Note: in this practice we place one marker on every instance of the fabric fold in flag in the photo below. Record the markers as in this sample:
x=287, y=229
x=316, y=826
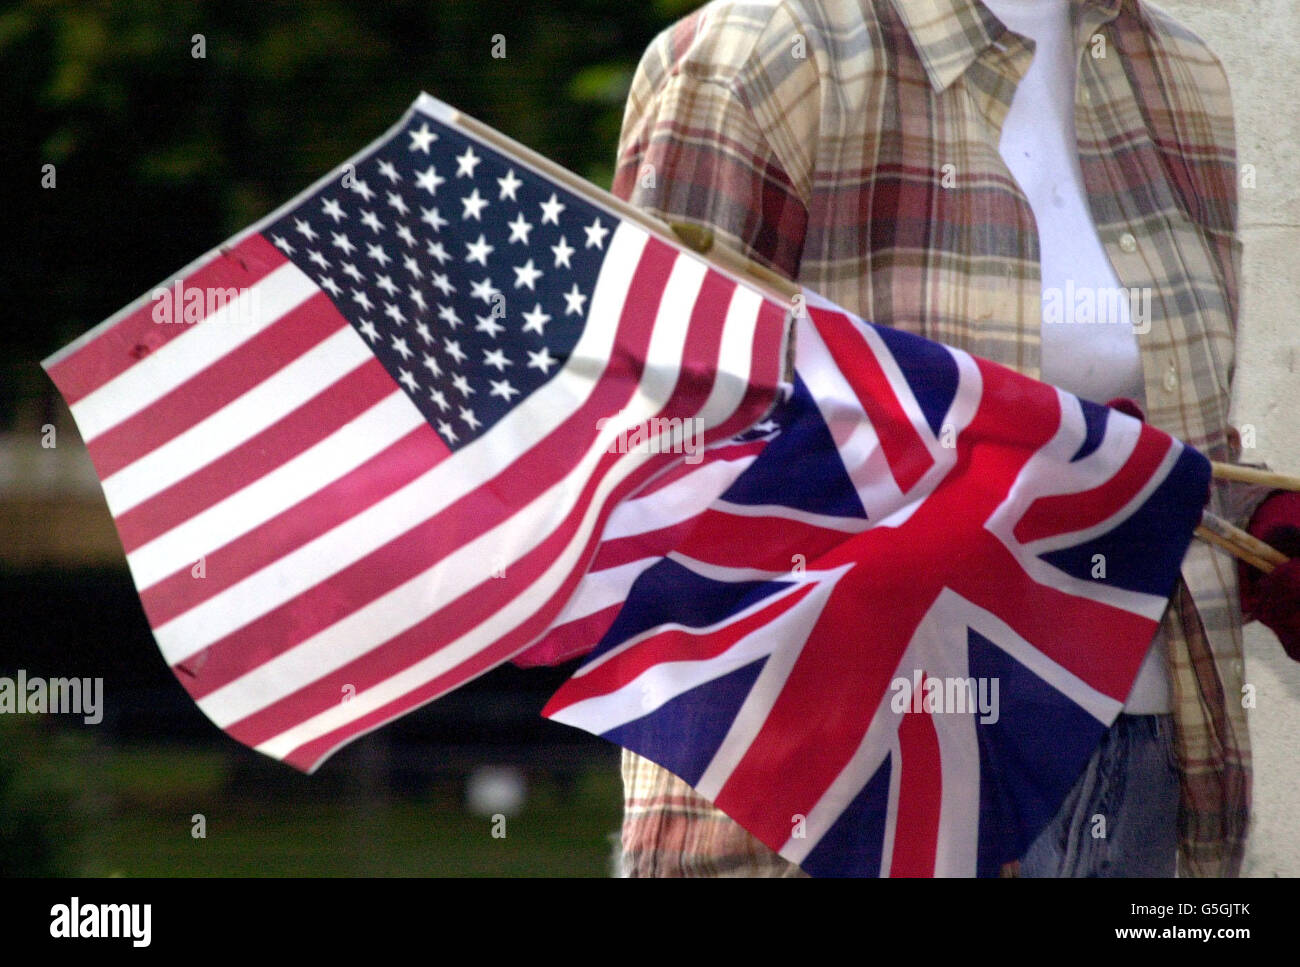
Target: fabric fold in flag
x=364, y=451
x=890, y=647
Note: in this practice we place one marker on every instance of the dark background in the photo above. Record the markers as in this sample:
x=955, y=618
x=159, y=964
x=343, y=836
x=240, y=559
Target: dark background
x=159, y=155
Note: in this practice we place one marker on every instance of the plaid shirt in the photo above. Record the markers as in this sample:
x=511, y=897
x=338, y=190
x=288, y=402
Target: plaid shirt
x=853, y=147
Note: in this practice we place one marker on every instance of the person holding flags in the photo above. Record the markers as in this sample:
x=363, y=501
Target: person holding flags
x=1047, y=184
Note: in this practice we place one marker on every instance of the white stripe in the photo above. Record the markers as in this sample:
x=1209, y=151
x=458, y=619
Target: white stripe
x=602, y=589
x=172, y=364
x=676, y=502
x=846, y=525
x=486, y=633
x=287, y=485
x=664, y=354
x=737, y=343
x=718, y=572
x=943, y=652
x=665, y=681
x=854, y=436
x=216, y=435
x=957, y=844
x=891, y=813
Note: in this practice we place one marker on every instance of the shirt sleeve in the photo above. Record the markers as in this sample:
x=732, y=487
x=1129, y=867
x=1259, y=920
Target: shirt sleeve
x=691, y=151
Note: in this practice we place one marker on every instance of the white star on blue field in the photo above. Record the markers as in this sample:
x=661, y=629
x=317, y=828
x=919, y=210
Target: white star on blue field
x=468, y=275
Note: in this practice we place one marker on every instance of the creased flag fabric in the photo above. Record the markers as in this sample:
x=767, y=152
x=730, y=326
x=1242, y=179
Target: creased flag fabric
x=957, y=575
x=640, y=532
x=364, y=452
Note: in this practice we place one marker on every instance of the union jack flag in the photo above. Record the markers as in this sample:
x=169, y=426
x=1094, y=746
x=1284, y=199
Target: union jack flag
x=364, y=452
x=892, y=644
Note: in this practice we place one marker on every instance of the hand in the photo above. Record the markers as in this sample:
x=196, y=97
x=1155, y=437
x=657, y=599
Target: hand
x=1126, y=405
x=1274, y=598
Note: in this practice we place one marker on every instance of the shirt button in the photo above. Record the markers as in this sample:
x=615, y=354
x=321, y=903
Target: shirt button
x=1128, y=243
x=1171, y=379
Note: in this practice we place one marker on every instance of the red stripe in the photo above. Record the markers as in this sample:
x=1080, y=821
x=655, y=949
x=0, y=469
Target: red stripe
x=260, y=454
x=570, y=640
x=216, y=386
x=1105, y=646
x=717, y=539
x=1061, y=513
x=668, y=646
x=379, y=477
x=135, y=336
x=768, y=361
x=639, y=547
x=920, y=796
x=905, y=449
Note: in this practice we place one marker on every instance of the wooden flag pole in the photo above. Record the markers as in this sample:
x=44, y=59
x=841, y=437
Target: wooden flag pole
x=1236, y=541
x=1267, y=478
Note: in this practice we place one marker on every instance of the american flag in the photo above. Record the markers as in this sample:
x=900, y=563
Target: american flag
x=958, y=573
x=365, y=451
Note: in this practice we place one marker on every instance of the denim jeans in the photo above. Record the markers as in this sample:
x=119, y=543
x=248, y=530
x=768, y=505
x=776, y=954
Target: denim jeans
x=1121, y=817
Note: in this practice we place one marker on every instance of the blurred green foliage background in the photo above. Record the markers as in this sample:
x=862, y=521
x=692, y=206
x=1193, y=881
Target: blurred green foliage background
x=159, y=155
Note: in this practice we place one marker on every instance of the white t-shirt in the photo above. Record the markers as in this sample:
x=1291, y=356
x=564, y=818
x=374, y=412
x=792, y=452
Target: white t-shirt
x=1094, y=354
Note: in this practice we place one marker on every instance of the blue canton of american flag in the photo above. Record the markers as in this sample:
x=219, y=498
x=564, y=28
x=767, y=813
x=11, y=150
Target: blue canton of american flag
x=891, y=645
x=469, y=275
x=383, y=426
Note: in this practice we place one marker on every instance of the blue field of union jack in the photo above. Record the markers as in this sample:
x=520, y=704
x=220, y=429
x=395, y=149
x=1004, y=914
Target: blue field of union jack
x=892, y=645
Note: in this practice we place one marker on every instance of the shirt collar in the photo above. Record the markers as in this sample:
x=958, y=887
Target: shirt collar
x=950, y=34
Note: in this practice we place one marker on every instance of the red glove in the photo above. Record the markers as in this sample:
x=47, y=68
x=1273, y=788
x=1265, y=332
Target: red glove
x=1126, y=405
x=1275, y=598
